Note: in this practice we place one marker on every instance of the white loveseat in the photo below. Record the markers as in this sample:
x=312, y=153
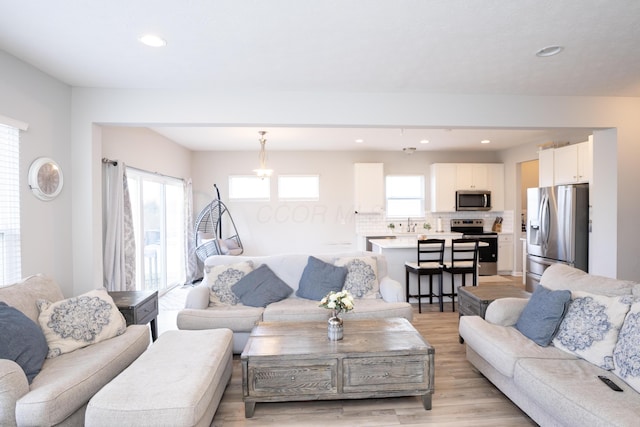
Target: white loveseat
x=199, y=313
x=61, y=390
x=554, y=387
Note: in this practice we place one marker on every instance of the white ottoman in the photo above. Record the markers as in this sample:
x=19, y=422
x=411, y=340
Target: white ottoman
x=178, y=381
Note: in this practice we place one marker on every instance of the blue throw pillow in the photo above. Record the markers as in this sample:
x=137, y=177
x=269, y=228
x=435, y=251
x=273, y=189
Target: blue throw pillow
x=22, y=341
x=261, y=287
x=319, y=278
x=541, y=317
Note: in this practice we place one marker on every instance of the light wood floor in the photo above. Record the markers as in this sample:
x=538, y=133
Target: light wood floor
x=463, y=397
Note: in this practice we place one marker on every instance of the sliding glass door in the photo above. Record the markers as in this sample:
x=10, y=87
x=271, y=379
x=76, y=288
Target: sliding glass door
x=157, y=204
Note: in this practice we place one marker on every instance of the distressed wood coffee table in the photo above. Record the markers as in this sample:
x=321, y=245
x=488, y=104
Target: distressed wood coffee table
x=285, y=361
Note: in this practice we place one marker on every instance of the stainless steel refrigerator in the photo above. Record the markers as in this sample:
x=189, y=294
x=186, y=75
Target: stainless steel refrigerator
x=557, y=229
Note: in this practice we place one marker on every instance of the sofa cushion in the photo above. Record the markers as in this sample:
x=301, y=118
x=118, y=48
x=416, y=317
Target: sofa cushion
x=319, y=278
x=239, y=318
x=66, y=383
x=572, y=395
x=503, y=346
x=22, y=341
x=220, y=278
x=626, y=356
x=77, y=322
x=362, y=276
x=560, y=276
x=304, y=310
x=591, y=326
x=261, y=287
x=542, y=315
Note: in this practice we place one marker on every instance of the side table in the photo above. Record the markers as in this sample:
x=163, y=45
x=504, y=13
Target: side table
x=138, y=308
x=474, y=300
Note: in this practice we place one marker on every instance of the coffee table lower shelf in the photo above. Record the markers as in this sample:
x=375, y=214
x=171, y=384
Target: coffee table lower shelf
x=296, y=362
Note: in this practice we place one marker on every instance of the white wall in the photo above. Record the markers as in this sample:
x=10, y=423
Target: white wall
x=31, y=96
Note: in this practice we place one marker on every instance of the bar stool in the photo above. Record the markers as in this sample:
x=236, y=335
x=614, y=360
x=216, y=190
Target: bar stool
x=429, y=263
x=464, y=260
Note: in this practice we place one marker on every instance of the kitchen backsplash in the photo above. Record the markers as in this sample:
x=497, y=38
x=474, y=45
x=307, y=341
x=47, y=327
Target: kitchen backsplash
x=376, y=224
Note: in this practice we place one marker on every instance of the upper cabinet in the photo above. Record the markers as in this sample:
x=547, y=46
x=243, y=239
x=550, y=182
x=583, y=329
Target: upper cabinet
x=447, y=178
x=368, y=187
x=472, y=176
x=570, y=164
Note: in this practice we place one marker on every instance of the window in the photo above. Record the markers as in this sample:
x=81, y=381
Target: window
x=10, y=262
x=157, y=204
x=299, y=187
x=405, y=195
x=249, y=187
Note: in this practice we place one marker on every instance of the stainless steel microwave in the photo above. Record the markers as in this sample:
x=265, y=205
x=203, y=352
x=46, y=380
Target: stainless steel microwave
x=473, y=200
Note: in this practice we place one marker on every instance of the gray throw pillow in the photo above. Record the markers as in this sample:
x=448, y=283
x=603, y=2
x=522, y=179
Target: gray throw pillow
x=22, y=341
x=261, y=287
x=319, y=278
x=541, y=317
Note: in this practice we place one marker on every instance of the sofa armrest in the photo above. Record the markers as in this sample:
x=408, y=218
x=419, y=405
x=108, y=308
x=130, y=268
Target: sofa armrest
x=198, y=298
x=505, y=311
x=391, y=290
x=13, y=385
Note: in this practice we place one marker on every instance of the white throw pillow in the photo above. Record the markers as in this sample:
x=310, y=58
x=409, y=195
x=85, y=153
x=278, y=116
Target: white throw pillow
x=220, y=279
x=626, y=356
x=590, y=328
x=362, y=276
x=77, y=322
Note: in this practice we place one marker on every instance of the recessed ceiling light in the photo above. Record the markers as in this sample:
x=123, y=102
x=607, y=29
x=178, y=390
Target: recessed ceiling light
x=152, y=40
x=424, y=141
x=485, y=141
x=359, y=141
x=549, y=51
x=409, y=150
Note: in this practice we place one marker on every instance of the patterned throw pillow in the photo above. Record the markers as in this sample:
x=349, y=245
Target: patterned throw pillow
x=362, y=276
x=590, y=328
x=626, y=356
x=220, y=279
x=77, y=322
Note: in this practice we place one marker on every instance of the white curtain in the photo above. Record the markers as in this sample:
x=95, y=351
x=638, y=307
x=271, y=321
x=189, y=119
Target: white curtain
x=193, y=269
x=119, y=250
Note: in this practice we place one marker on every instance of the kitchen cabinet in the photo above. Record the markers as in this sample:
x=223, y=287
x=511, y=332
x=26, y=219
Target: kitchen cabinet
x=446, y=178
x=545, y=168
x=572, y=163
x=472, y=176
x=368, y=187
x=443, y=187
x=505, y=253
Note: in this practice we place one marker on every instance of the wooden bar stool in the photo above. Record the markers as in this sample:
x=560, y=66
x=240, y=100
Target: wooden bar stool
x=429, y=263
x=464, y=260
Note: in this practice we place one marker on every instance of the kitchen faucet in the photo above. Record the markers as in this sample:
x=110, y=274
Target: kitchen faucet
x=408, y=225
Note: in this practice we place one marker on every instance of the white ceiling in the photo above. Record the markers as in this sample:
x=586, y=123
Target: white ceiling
x=410, y=46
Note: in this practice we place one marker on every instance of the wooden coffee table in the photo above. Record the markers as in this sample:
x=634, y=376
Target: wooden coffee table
x=285, y=361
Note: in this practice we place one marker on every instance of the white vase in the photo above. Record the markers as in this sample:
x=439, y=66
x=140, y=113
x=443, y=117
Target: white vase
x=335, y=328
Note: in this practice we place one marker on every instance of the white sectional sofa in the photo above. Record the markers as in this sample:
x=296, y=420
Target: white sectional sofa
x=555, y=386
x=201, y=313
x=61, y=390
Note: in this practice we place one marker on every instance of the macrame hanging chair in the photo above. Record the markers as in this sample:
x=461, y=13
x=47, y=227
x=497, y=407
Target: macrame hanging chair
x=211, y=237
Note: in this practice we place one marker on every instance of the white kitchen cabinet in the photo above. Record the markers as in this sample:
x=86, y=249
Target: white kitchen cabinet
x=505, y=253
x=368, y=187
x=472, y=176
x=443, y=187
x=573, y=163
x=545, y=168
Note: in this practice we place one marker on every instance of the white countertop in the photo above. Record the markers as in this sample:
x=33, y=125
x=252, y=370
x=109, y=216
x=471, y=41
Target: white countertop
x=406, y=242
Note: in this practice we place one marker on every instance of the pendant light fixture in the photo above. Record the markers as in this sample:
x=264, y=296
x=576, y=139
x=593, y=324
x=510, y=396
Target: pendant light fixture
x=262, y=171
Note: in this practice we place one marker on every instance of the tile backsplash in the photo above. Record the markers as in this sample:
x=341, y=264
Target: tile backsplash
x=376, y=224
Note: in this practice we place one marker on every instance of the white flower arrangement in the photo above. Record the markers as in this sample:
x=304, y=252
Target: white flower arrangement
x=338, y=302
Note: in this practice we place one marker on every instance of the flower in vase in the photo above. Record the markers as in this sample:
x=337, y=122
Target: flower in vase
x=338, y=302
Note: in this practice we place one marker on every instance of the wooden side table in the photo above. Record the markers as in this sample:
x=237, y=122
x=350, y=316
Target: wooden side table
x=474, y=300
x=138, y=308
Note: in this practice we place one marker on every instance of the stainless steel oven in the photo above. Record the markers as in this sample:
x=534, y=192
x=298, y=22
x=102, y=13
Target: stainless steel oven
x=487, y=255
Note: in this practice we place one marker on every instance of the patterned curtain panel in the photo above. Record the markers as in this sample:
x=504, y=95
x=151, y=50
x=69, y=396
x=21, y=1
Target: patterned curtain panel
x=119, y=251
x=193, y=268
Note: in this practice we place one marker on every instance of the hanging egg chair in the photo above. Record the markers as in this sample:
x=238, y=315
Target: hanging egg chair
x=211, y=237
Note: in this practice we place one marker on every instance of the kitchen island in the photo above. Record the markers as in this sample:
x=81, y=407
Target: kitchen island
x=402, y=249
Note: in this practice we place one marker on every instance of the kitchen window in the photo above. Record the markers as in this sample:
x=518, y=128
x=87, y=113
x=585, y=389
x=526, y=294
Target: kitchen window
x=299, y=187
x=249, y=187
x=405, y=196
